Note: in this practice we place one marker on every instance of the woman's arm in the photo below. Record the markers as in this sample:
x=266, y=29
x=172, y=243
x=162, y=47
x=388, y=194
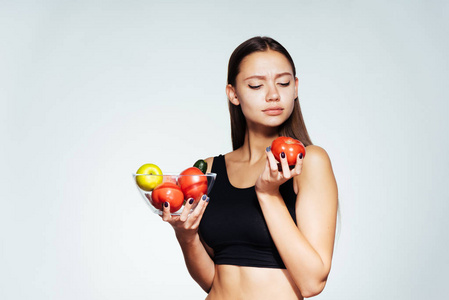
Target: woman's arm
x=199, y=263
x=306, y=248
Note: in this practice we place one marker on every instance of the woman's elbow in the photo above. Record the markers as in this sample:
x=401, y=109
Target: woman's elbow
x=312, y=290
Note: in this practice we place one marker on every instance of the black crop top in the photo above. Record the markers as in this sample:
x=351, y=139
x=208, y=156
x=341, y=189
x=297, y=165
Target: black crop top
x=233, y=224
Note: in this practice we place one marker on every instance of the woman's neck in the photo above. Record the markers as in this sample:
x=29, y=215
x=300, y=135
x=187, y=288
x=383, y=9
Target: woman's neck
x=253, y=149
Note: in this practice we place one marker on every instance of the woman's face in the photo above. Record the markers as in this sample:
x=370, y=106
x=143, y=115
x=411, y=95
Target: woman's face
x=265, y=89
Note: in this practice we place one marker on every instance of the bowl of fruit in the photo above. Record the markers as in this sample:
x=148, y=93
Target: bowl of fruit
x=157, y=187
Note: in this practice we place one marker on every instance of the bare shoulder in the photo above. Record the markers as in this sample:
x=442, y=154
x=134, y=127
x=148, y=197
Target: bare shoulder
x=232, y=156
x=317, y=168
x=315, y=155
x=209, y=161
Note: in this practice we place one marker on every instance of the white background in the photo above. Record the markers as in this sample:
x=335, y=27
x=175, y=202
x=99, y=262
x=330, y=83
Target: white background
x=90, y=90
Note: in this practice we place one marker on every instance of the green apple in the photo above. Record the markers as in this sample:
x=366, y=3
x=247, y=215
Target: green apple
x=148, y=183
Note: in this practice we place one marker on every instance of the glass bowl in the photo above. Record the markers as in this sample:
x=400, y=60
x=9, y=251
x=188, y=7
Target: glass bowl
x=172, y=187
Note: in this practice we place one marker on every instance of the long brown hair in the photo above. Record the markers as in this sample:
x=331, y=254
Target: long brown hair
x=294, y=126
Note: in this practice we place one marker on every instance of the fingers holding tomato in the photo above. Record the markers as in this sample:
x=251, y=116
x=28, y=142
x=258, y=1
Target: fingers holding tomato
x=166, y=215
x=291, y=171
x=198, y=212
x=291, y=148
x=298, y=167
x=272, y=164
x=279, y=167
x=187, y=223
x=285, y=168
x=278, y=171
x=289, y=152
x=189, y=206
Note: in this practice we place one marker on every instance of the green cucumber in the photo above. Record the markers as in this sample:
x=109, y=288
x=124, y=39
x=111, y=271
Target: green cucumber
x=202, y=165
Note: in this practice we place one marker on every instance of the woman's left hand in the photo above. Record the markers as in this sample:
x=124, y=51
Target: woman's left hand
x=273, y=175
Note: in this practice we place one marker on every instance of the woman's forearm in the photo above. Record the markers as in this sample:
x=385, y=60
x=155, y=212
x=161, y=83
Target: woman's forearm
x=199, y=264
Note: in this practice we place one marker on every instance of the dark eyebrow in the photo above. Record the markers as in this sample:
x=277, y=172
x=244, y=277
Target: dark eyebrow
x=263, y=77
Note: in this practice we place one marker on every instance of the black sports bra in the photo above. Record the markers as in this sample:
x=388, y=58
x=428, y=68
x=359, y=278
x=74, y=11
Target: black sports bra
x=233, y=224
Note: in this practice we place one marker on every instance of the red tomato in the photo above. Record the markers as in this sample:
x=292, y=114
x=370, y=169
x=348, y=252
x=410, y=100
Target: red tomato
x=290, y=147
x=167, y=192
x=194, y=184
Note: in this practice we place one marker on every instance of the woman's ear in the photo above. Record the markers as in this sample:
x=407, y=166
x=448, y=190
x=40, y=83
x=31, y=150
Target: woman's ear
x=232, y=95
x=296, y=87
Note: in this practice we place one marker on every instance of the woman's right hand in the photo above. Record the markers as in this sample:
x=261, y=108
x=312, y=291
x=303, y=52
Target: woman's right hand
x=187, y=223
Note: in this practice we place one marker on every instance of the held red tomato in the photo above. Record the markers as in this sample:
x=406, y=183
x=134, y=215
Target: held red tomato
x=194, y=185
x=167, y=192
x=290, y=146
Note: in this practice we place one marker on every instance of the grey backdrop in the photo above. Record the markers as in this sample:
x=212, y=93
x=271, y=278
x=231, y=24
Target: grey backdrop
x=90, y=90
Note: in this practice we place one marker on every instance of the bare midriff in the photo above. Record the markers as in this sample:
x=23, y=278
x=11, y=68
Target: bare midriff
x=234, y=282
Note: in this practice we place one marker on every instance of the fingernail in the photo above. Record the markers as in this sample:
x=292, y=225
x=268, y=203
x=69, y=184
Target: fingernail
x=207, y=200
x=166, y=204
x=191, y=201
x=268, y=149
x=300, y=155
x=282, y=154
x=204, y=197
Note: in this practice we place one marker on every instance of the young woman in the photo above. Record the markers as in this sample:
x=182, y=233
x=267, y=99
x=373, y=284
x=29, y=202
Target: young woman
x=268, y=231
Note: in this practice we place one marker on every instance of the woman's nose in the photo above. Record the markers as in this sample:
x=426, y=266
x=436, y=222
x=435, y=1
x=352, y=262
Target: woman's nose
x=272, y=94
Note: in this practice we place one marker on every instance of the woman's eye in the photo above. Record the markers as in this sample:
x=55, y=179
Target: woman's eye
x=284, y=83
x=255, y=87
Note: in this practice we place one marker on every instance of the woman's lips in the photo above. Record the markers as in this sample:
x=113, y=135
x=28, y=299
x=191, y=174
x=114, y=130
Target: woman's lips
x=273, y=111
